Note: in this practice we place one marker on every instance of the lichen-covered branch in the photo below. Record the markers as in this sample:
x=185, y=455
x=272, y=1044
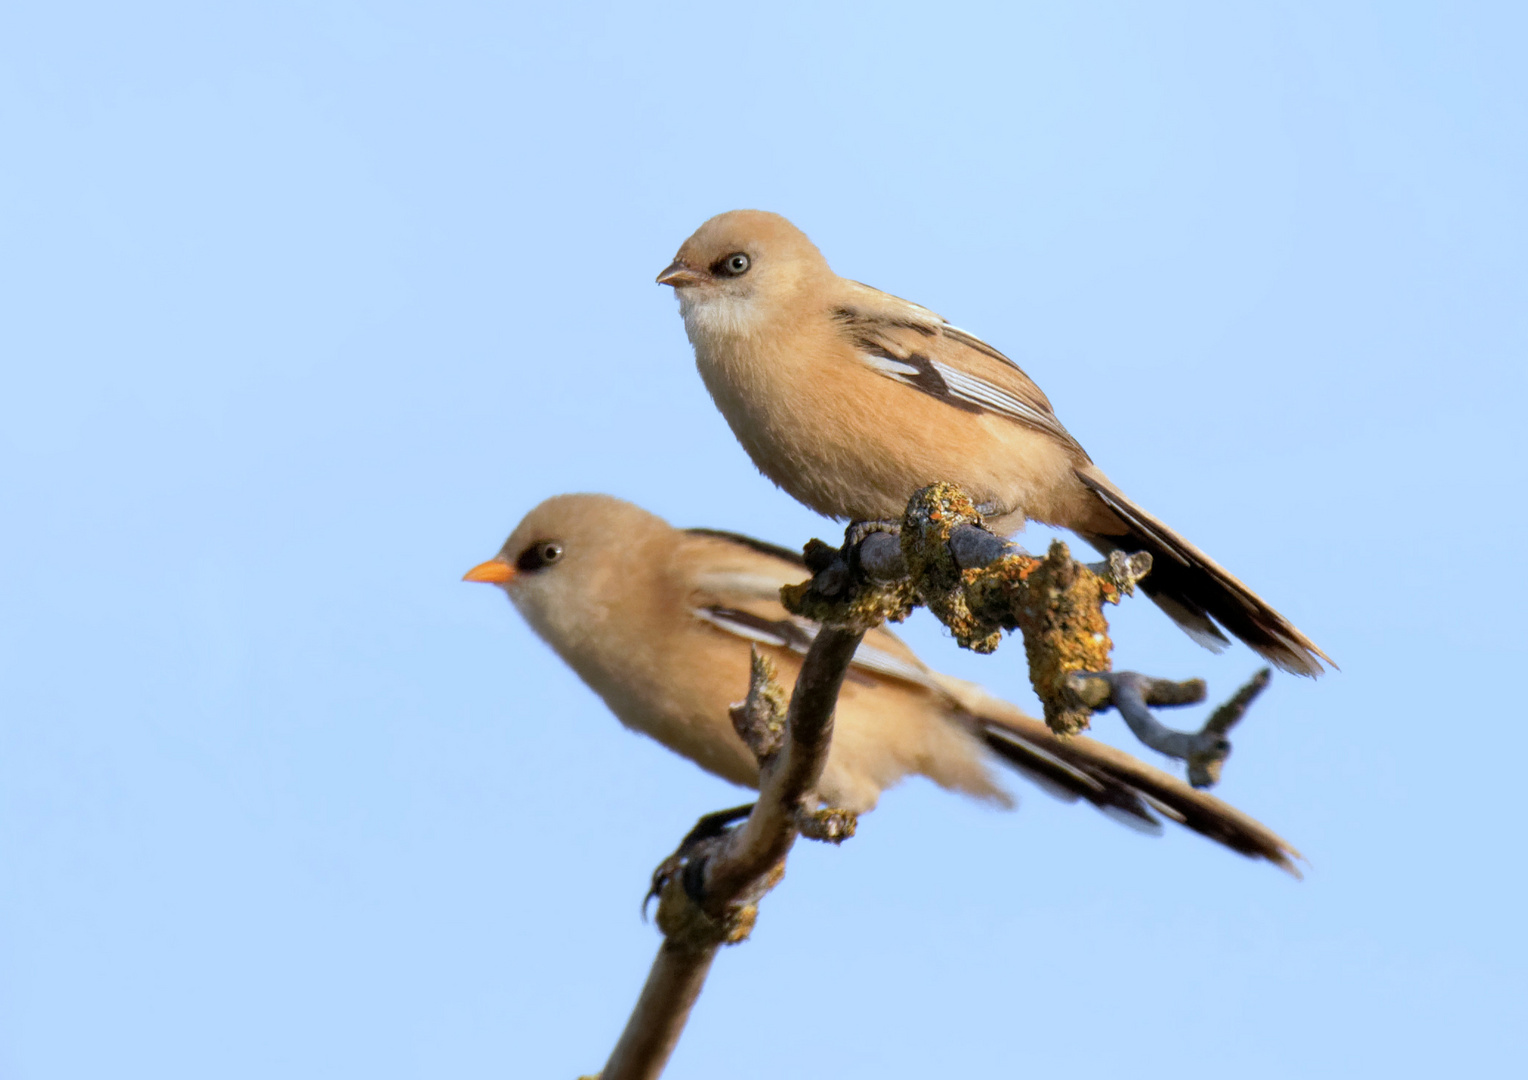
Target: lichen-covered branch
x=979, y=585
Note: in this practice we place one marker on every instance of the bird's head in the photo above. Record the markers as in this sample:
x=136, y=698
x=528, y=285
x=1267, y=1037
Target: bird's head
x=741, y=270
x=570, y=562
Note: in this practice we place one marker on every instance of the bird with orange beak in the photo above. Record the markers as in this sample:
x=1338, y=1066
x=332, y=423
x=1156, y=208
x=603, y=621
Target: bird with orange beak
x=660, y=622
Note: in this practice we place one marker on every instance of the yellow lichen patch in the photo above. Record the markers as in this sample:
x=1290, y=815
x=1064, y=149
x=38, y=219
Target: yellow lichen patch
x=1057, y=604
x=742, y=923
x=862, y=610
x=932, y=515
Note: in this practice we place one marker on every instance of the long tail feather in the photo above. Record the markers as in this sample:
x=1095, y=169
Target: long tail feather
x=1121, y=786
x=1198, y=593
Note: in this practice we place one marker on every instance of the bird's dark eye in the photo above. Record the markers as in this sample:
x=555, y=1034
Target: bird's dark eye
x=541, y=553
x=734, y=265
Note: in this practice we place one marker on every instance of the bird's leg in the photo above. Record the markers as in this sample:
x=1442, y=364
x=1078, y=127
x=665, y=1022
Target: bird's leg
x=683, y=860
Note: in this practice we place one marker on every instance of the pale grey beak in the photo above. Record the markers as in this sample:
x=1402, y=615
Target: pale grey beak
x=679, y=275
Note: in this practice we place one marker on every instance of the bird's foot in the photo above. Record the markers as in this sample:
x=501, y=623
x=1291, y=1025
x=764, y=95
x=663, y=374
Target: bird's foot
x=974, y=547
x=876, y=546
x=857, y=531
x=688, y=858
x=872, y=547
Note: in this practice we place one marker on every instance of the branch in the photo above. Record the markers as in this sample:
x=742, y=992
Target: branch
x=709, y=890
x=941, y=555
x=1205, y=750
x=672, y=988
x=790, y=777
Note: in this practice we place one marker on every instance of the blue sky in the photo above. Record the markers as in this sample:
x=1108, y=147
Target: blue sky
x=302, y=306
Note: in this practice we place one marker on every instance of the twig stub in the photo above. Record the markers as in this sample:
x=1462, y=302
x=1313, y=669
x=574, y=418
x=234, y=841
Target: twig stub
x=759, y=719
x=830, y=824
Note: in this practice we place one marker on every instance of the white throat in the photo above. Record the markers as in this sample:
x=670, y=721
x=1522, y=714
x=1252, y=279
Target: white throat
x=709, y=318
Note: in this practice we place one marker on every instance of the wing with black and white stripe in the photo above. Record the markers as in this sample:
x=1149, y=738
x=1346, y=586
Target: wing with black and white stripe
x=917, y=348
x=797, y=636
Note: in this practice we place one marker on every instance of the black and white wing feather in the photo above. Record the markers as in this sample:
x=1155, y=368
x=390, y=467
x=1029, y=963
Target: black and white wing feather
x=917, y=348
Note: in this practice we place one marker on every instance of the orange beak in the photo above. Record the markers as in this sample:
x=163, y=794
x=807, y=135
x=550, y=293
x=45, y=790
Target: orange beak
x=495, y=572
x=679, y=275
